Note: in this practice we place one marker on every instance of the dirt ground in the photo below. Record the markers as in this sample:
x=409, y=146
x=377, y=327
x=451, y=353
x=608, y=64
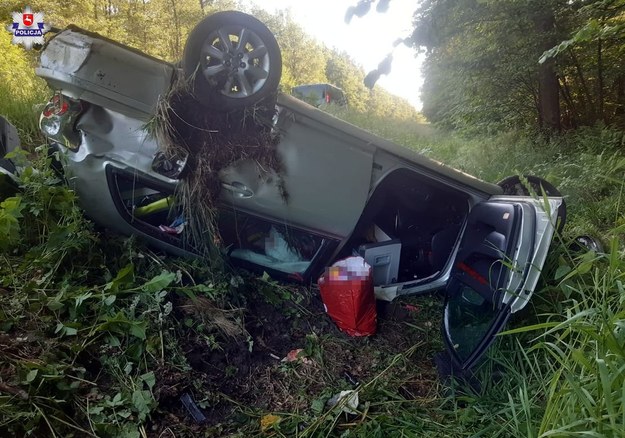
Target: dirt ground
x=243, y=379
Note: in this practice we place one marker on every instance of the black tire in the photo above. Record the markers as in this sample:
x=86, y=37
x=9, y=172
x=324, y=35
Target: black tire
x=513, y=186
x=586, y=243
x=226, y=76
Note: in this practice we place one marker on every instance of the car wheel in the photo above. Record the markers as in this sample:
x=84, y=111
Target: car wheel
x=515, y=186
x=586, y=243
x=233, y=60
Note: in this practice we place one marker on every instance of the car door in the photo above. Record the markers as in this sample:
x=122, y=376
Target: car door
x=501, y=254
x=326, y=177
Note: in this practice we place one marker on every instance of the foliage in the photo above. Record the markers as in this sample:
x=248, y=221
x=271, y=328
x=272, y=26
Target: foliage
x=487, y=64
x=82, y=358
x=20, y=88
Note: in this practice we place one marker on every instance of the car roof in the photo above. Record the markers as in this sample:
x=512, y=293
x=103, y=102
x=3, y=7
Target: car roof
x=297, y=106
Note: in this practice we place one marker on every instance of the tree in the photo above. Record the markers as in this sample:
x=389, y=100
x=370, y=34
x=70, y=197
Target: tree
x=497, y=64
x=343, y=72
x=303, y=59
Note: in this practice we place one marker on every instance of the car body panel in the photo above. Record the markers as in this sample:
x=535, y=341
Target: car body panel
x=545, y=218
x=387, y=153
x=90, y=67
x=327, y=176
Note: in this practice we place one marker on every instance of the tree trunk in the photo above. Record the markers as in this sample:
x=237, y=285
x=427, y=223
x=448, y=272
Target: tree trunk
x=571, y=116
x=600, y=79
x=585, y=97
x=548, y=86
x=176, y=48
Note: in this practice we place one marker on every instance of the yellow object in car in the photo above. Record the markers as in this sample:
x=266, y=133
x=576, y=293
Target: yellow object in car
x=154, y=207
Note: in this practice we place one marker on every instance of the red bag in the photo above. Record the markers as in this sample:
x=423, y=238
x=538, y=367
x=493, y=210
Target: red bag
x=347, y=293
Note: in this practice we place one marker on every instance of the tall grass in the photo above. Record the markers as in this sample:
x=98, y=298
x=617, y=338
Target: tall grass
x=23, y=111
x=21, y=91
x=583, y=349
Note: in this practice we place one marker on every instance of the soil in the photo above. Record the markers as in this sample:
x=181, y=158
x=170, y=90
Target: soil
x=245, y=378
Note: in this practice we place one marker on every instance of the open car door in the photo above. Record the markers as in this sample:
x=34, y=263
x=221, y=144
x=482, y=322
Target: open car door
x=501, y=254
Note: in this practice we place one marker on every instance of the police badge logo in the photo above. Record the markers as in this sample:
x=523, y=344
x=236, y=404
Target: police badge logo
x=28, y=28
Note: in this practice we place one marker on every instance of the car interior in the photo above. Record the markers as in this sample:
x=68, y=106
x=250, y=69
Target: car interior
x=409, y=228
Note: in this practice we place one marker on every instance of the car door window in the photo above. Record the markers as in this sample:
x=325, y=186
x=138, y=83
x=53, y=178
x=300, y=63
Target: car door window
x=268, y=244
x=493, y=240
x=468, y=319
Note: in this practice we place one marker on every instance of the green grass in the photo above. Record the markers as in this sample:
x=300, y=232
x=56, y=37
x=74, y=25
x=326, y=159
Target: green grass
x=584, y=347
x=23, y=111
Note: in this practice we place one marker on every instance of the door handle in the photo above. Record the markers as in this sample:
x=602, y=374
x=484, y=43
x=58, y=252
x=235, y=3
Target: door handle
x=238, y=189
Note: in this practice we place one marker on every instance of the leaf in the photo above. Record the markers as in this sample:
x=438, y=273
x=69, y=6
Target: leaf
x=13, y=206
x=55, y=305
x=109, y=300
x=318, y=405
x=529, y=328
x=124, y=414
x=64, y=330
x=149, y=379
x=125, y=276
x=129, y=430
x=118, y=400
x=31, y=375
x=96, y=410
x=159, y=282
x=113, y=341
x=562, y=271
x=82, y=298
x=138, y=329
x=142, y=402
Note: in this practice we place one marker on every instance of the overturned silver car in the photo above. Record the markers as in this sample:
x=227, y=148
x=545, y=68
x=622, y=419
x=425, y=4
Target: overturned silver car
x=336, y=189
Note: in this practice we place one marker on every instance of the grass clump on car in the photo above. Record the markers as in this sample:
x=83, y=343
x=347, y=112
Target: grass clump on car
x=210, y=141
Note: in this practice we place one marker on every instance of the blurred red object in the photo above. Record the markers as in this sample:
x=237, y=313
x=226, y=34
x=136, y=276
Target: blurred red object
x=347, y=293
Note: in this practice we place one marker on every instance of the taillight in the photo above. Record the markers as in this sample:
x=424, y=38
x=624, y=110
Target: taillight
x=58, y=120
